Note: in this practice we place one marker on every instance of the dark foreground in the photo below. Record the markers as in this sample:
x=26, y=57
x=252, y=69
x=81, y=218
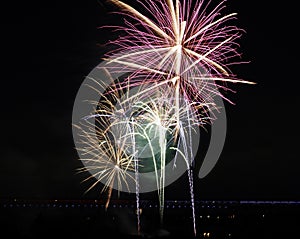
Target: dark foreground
x=89, y=219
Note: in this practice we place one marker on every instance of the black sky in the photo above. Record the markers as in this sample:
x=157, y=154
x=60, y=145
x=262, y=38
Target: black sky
x=47, y=48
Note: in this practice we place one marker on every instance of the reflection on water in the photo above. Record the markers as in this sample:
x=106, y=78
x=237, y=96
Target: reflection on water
x=214, y=219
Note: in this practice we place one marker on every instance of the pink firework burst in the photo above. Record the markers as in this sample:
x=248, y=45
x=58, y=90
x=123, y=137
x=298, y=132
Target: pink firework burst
x=179, y=44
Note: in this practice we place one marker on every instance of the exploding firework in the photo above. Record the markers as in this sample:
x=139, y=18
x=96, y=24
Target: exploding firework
x=131, y=135
x=177, y=57
x=179, y=43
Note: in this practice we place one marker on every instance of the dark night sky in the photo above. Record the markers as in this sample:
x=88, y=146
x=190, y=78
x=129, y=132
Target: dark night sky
x=47, y=49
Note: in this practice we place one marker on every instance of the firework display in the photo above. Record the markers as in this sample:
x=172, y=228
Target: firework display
x=173, y=59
